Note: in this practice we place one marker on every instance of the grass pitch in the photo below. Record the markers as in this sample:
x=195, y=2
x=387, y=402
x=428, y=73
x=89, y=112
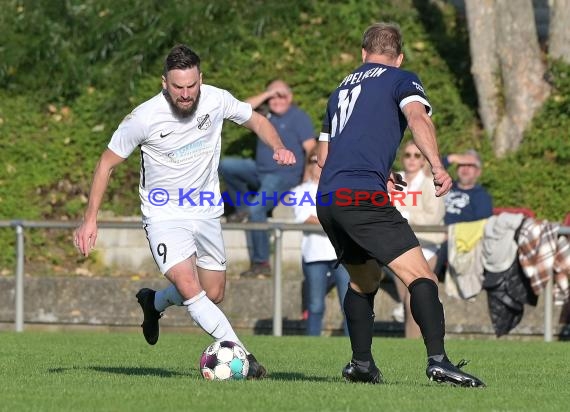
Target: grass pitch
x=94, y=371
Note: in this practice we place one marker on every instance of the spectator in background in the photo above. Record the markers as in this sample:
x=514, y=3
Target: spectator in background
x=319, y=256
x=421, y=208
x=262, y=176
x=467, y=201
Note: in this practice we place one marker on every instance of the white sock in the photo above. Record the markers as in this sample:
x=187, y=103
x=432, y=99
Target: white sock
x=167, y=297
x=210, y=318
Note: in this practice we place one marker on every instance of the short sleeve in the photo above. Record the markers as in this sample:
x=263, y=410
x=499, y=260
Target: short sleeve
x=129, y=135
x=410, y=89
x=235, y=110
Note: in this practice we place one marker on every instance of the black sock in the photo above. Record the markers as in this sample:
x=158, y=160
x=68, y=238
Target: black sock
x=437, y=358
x=427, y=311
x=359, y=312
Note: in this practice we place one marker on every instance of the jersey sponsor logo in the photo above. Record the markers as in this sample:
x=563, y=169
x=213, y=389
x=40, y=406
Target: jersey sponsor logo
x=204, y=122
x=163, y=134
x=419, y=87
x=190, y=151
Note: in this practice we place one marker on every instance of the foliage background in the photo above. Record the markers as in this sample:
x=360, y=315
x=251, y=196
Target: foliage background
x=71, y=70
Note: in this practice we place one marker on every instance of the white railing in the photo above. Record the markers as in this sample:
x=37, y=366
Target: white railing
x=276, y=227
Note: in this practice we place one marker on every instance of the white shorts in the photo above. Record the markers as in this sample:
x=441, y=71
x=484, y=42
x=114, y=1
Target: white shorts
x=171, y=242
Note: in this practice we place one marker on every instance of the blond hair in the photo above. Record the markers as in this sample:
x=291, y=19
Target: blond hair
x=383, y=38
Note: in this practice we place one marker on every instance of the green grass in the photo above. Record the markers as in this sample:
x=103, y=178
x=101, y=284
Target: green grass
x=83, y=371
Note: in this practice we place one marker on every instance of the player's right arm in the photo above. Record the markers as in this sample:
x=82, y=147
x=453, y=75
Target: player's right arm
x=86, y=234
x=423, y=132
x=259, y=125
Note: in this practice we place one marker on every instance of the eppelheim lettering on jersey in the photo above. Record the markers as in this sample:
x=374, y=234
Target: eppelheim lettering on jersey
x=357, y=77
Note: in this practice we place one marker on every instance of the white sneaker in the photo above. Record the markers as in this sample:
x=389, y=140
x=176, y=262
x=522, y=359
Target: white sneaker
x=398, y=314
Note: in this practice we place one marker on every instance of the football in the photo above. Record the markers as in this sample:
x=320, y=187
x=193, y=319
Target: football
x=224, y=360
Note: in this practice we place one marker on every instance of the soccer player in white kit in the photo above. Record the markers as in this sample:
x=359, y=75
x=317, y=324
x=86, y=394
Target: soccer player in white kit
x=179, y=135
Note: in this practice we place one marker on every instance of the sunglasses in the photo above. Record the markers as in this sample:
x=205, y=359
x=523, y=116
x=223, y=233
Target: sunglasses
x=467, y=165
x=416, y=155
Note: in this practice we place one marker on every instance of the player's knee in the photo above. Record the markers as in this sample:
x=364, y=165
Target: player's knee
x=408, y=280
x=216, y=295
x=431, y=276
x=365, y=285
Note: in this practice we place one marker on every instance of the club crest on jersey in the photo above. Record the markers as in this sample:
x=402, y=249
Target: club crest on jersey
x=204, y=122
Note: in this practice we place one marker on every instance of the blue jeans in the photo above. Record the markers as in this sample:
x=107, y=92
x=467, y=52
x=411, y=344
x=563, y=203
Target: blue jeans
x=240, y=176
x=316, y=278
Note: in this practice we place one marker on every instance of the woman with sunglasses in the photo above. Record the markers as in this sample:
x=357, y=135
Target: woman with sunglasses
x=318, y=254
x=419, y=206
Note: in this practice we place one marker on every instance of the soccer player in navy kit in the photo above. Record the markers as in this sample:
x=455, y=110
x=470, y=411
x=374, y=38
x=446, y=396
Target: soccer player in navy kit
x=362, y=129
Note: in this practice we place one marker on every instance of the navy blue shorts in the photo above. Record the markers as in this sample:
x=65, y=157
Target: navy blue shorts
x=364, y=230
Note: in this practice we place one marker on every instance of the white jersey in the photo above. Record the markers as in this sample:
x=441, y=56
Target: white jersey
x=179, y=156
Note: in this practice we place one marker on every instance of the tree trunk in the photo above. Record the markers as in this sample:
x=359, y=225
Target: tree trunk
x=485, y=62
x=522, y=72
x=559, y=32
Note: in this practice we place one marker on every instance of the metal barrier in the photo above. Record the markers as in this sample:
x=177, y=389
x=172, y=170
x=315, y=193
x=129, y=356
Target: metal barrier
x=277, y=227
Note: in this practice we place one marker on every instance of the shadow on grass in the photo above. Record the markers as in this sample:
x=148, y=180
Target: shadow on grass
x=164, y=373
x=137, y=371
x=120, y=370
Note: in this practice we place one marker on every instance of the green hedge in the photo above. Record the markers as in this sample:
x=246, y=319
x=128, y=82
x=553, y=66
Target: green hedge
x=70, y=70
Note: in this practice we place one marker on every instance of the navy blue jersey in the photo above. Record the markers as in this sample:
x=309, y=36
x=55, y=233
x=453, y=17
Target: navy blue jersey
x=365, y=125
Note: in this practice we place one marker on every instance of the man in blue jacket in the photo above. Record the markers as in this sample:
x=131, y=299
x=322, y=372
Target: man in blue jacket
x=467, y=201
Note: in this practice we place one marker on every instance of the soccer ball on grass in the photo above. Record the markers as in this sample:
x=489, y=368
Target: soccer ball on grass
x=223, y=361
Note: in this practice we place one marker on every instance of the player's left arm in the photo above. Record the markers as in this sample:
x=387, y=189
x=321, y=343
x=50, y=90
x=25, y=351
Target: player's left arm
x=322, y=152
x=423, y=132
x=324, y=139
x=309, y=145
x=323, y=142
x=259, y=125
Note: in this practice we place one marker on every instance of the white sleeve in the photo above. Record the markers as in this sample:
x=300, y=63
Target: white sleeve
x=416, y=98
x=235, y=110
x=130, y=134
x=324, y=137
